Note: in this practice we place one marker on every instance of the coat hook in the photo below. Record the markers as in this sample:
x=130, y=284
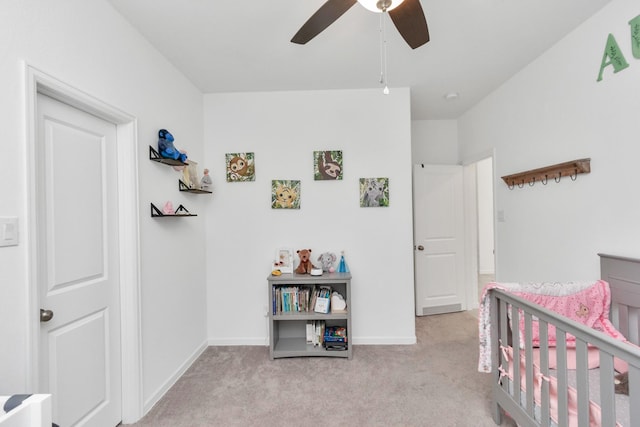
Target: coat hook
x=511, y=186
x=558, y=177
x=544, y=181
x=533, y=181
x=521, y=184
x=574, y=175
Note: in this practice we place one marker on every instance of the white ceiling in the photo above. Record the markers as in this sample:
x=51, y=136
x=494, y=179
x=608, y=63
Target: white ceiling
x=244, y=46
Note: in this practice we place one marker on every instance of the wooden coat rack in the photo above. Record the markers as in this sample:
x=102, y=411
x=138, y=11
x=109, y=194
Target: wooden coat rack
x=555, y=172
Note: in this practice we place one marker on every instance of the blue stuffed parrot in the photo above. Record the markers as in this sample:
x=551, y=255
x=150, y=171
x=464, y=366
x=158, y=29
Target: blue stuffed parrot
x=166, y=147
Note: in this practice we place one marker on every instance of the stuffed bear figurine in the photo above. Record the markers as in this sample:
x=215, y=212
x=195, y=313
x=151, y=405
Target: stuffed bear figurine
x=327, y=260
x=166, y=147
x=305, y=265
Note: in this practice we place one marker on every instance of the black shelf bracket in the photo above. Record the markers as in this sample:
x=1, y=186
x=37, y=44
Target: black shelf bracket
x=181, y=211
x=184, y=187
x=156, y=157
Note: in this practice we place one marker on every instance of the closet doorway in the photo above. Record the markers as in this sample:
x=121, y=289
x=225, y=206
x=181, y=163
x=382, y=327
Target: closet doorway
x=480, y=223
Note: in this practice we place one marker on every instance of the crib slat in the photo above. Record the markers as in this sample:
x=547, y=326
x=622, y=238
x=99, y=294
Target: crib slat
x=561, y=375
x=528, y=354
x=515, y=316
x=634, y=395
x=607, y=393
x=544, y=369
x=633, y=334
x=582, y=382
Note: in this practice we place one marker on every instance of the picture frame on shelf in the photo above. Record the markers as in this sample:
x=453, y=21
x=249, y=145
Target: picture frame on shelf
x=190, y=175
x=283, y=260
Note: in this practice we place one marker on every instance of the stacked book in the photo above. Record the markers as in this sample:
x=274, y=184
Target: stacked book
x=335, y=338
x=315, y=332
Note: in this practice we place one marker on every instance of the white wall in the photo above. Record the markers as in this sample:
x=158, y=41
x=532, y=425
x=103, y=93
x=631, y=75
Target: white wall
x=283, y=129
x=555, y=111
x=87, y=45
x=434, y=142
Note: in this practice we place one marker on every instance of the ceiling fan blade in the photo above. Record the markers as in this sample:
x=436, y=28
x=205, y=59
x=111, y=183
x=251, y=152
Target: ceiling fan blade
x=410, y=21
x=325, y=16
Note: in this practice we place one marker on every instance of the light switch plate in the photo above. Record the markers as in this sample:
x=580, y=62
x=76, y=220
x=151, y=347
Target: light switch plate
x=8, y=231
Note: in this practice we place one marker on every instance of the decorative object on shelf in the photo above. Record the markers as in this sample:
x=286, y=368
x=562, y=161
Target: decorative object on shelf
x=315, y=271
x=338, y=304
x=240, y=167
x=342, y=267
x=167, y=149
x=285, y=194
x=555, y=172
x=190, y=175
x=327, y=260
x=374, y=192
x=167, y=209
x=304, y=266
x=205, y=182
x=181, y=211
x=284, y=260
x=327, y=165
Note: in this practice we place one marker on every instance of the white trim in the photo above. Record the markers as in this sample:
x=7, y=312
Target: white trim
x=38, y=82
x=164, y=388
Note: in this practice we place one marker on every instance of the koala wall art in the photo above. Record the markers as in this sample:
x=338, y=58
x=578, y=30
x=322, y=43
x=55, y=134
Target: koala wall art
x=374, y=192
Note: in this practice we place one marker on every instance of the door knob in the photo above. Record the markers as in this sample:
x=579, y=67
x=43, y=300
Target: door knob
x=45, y=315
x=420, y=248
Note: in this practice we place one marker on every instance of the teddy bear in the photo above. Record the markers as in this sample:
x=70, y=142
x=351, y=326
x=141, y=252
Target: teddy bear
x=327, y=260
x=305, y=265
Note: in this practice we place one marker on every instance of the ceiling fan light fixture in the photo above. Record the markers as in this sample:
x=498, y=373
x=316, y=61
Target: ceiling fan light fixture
x=380, y=5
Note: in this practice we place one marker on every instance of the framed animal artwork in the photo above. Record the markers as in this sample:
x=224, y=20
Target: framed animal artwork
x=327, y=165
x=240, y=167
x=285, y=194
x=284, y=260
x=374, y=192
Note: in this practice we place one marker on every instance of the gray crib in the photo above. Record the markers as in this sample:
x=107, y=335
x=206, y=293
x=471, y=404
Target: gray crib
x=527, y=405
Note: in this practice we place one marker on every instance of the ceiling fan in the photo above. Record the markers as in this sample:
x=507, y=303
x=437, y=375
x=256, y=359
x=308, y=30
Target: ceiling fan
x=407, y=16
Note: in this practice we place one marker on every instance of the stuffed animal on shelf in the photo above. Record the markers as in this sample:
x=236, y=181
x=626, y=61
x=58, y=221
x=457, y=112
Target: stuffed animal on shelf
x=305, y=265
x=327, y=260
x=205, y=182
x=166, y=147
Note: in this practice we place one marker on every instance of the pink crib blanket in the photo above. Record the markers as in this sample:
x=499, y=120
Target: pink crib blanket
x=584, y=302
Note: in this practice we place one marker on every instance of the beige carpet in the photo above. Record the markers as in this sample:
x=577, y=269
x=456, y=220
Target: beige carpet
x=433, y=383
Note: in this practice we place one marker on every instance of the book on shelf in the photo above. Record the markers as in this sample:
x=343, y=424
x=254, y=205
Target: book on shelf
x=335, y=334
x=291, y=299
x=323, y=300
x=315, y=332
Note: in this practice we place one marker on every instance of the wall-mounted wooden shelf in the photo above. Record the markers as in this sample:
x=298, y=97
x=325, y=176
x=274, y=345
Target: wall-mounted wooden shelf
x=184, y=187
x=181, y=211
x=543, y=175
x=156, y=157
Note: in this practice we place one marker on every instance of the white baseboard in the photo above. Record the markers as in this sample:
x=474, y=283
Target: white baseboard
x=384, y=340
x=238, y=341
x=162, y=390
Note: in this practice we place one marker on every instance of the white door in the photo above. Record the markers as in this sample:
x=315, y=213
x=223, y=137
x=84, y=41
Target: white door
x=77, y=239
x=438, y=239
